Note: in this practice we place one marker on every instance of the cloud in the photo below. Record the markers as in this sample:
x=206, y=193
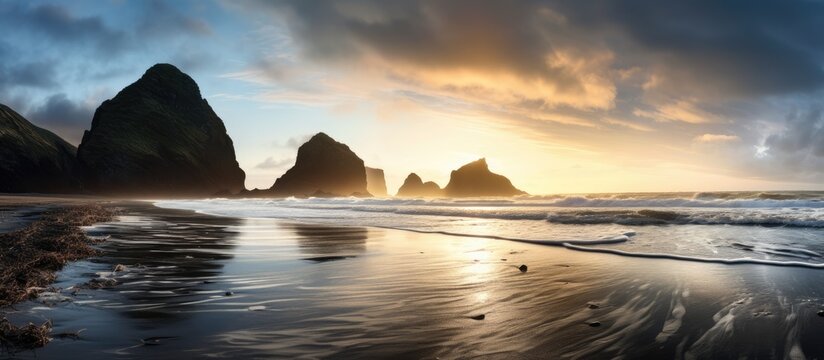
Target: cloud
x=39, y=74
x=480, y=51
x=164, y=20
x=62, y=116
x=628, y=124
x=270, y=163
x=681, y=110
x=569, y=53
x=712, y=48
x=802, y=138
x=716, y=138
x=58, y=24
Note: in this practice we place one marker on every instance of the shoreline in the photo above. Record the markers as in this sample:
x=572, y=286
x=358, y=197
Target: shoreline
x=33, y=255
x=199, y=284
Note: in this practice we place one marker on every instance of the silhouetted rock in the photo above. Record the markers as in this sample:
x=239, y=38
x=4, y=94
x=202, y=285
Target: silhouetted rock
x=159, y=136
x=475, y=179
x=413, y=186
x=33, y=159
x=375, y=182
x=324, y=167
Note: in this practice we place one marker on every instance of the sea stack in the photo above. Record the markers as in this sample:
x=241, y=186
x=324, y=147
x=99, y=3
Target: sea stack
x=33, y=159
x=413, y=186
x=158, y=136
x=324, y=167
x=475, y=179
x=376, y=182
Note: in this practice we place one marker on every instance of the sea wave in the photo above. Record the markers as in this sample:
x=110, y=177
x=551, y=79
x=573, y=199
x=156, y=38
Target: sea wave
x=774, y=234
x=764, y=216
x=647, y=200
x=643, y=217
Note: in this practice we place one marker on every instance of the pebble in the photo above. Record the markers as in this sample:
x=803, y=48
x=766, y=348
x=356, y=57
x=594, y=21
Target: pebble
x=478, y=317
x=821, y=313
x=595, y=324
x=592, y=306
x=523, y=268
x=229, y=293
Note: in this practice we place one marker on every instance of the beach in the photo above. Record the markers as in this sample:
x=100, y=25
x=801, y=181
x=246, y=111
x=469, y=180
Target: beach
x=196, y=285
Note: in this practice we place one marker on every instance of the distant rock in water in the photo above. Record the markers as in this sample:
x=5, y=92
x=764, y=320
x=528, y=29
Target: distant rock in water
x=375, y=182
x=159, y=136
x=413, y=186
x=324, y=167
x=475, y=179
x=33, y=159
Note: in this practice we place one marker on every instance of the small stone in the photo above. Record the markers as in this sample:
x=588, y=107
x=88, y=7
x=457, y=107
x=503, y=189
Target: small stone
x=119, y=268
x=595, y=324
x=821, y=313
x=592, y=306
x=478, y=317
x=503, y=259
x=523, y=268
x=229, y=293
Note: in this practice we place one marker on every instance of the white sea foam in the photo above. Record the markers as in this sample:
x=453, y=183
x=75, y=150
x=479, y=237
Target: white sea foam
x=730, y=228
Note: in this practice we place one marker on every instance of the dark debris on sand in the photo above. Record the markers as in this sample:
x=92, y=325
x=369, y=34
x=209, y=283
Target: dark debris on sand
x=30, y=259
x=30, y=336
x=33, y=254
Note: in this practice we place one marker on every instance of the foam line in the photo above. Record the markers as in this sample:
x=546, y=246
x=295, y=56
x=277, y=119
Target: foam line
x=739, y=261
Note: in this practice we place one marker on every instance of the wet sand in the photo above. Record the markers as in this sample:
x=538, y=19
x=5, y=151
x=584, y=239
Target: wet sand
x=198, y=285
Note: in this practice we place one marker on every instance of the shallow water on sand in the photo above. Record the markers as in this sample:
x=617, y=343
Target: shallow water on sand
x=311, y=291
x=767, y=228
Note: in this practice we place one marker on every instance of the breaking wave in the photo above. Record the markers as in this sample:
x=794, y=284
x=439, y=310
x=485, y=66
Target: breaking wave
x=729, y=228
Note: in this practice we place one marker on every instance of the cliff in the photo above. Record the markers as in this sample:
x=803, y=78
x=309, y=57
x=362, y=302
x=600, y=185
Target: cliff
x=159, y=136
x=475, y=179
x=324, y=167
x=33, y=159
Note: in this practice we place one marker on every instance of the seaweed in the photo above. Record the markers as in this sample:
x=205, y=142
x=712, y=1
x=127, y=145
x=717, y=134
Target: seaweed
x=30, y=336
x=32, y=255
x=31, y=258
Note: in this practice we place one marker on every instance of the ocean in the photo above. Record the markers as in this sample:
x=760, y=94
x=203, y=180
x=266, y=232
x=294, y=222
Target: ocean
x=770, y=228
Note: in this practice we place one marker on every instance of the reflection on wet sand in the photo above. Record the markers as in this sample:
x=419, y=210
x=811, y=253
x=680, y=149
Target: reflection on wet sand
x=244, y=288
x=167, y=259
x=326, y=243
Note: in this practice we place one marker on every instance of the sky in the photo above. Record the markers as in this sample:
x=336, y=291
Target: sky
x=559, y=96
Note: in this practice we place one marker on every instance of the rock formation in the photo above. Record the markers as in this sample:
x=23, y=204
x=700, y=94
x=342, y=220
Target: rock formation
x=413, y=186
x=324, y=167
x=375, y=182
x=158, y=136
x=475, y=179
x=34, y=159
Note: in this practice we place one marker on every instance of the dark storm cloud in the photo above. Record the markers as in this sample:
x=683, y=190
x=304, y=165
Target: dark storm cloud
x=40, y=74
x=729, y=48
x=476, y=34
x=738, y=47
x=62, y=116
x=803, y=136
x=59, y=25
x=157, y=21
